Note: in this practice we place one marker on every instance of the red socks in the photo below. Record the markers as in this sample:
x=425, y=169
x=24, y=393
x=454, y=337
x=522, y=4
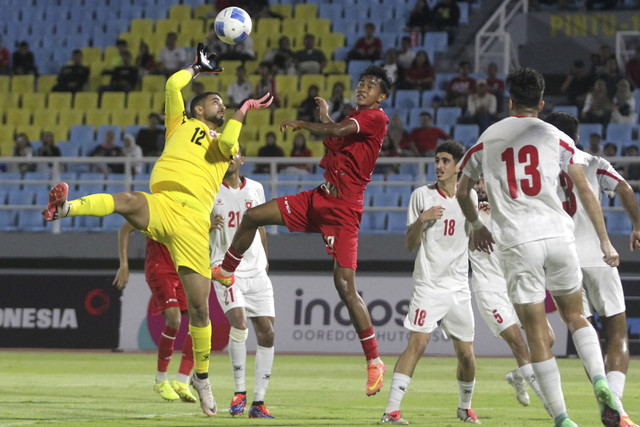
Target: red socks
x=231, y=260
x=165, y=347
x=369, y=343
x=186, y=364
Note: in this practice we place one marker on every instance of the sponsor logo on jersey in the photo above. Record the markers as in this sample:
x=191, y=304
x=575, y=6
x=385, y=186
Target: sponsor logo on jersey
x=212, y=133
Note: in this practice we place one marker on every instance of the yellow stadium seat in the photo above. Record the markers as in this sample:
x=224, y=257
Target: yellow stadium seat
x=345, y=79
x=123, y=118
x=282, y=114
x=306, y=11
x=295, y=29
x=191, y=32
x=59, y=100
x=142, y=27
x=69, y=117
x=139, y=100
x=251, y=148
x=262, y=135
x=286, y=10
x=113, y=101
x=334, y=67
x=248, y=133
x=18, y=117
x=33, y=131
x=90, y=54
x=109, y=53
x=202, y=10
x=211, y=82
x=294, y=99
x=23, y=84
x=180, y=12
x=165, y=26
x=142, y=116
x=157, y=103
x=286, y=83
x=267, y=26
x=45, y=117
x=253, y=79
x=225, y=80
x=317, y=148
x=153, y=83
x=60, y=132
x=96, y=117
x=85, y=100
x=133, y=41
x=9, y=101
x=330, y=42
x=230, y=67
x=6, y=139
x=306, y=80
x=319, y=27
x=4, y=84
x=33, y=101
x=47, y=82
x=261, y=46
x=258, y=118
x=251, y=67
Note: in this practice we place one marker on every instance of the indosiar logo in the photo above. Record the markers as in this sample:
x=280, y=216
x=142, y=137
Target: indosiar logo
x=40, y=318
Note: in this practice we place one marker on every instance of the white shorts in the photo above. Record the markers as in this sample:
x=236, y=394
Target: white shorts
x=602, y=291
x=531, y=267
x=452, y=309
x=254, y=294
x=496, y=310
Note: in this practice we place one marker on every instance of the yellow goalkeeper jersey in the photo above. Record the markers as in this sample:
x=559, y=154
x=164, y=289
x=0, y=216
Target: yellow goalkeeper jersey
x=195, y=158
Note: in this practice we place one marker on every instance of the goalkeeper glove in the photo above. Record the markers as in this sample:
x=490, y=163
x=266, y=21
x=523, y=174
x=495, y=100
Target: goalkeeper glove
x=204, y=60
x=256, y=104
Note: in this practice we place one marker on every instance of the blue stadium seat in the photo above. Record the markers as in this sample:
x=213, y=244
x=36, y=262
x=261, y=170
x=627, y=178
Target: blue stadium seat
x=356, y=67
x=88, y=223
x=618, y=223
x=407, y=98
x=442, y=80
x=20, y=197
x=31, y=220
x=428, y=96
x=437, y=40
x=284, y=190
x=409, y=168
x=405, y=195
x=103, y=129
x=391, y=199
x=5, y=177
x=397, y=222
x=619, y=134
x=466, y=134
x=3, y=197
x=464, y=12
x=357, y=13
x=571, y=109
x=448, y=115
x=341, y=53
x=414, y=116
x=34, y=176
x=288, y=177
x=373, y=222
x=587, y=129
x=8, y=220
x=112, y=222
x=115, y=188
x=331, y=11
x=133, y=129
x=84, y=136
x=69, y=149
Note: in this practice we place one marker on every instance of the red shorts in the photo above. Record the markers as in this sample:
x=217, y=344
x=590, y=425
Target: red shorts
x=316, y=211
x=166, y=290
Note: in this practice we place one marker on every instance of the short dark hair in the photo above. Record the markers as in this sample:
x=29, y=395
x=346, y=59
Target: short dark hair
x=566, y=122
x=197, y=100
x=381, y=74
x=452, y=147
x=611, y=145
x=426, y=113
x=526, y=87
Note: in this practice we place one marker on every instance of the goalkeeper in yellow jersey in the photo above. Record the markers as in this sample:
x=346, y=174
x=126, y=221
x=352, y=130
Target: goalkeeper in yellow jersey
x=184, y=183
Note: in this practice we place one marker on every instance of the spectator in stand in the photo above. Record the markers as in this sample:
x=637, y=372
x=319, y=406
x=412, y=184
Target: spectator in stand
x=267, y=84
x=388, y=149
x=405, y=55
x=132, y=150
x=337, y=102
x=423, y=141
x=420, y=17
x=310, y=60
x=597, y=106
x=269, y=149
x=299, y=149
x=624, y=104
x=398, y=136
x=5, y=59
x=22, y=148
x=151, y=139
x=390, y=65
x=117, y=60
x=482, y=106
x=145, y=60
x=612, y=76
x=171, y=58
x=595, y=149
x=631, y=171
x=107, y=148
x=495, y=85
x=281, y=58
x=420, y=75
x=242, y=51
x=367, y=47
x=308, y=110
x=23, y=60
x=577, y=84
x=632, y=70
x=460, y=87
x=239, y=90
x=445, y=17
x=73, y=77
x=197, y=88
x=124, y=78
x=47, y=149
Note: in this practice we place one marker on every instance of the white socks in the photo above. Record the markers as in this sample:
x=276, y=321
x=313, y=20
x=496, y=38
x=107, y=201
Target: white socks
x=588, y=348
x=616, y=382
x=161, y=376
x=238, y=356
x=399, y=386
x=548, y=378
x=465, y=393
x=264, y=363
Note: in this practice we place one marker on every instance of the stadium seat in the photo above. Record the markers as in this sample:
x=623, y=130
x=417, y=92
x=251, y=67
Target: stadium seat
x=330, y=42
x=165, y=26
x=31, y=220
x=391, y=199
x=23, y=83
x=407, y=98
x=373, y=222
x=122, y=118
x=319, y=27
x=103, y=129
x=142, y=27
x=429, y=96
x=85, y=101
x=267, y=26
x=356, y=13
x=437, y=40
x=331, y=11
x=35, y=100
x=414, y=116
x=4, y=84
x=45, y=117
x=60, y=100
x=83, y=135
x=356, y=67
x=180, y=12
x=46, y=82
x=113, y=101
x=307, y=80
x=448, y=115
x=96, y=117
x=619, y=134
x=20, y=197
x=571, y=109
x=114, y=222
x=587, y=129
x=258, y=118
x=618, y=223
x=305, y=11
x=286, y=10
x=153, y=83
x=8, y=220
x=69, y=118
x=18, y=117
x=397, y=222
x=467, y=135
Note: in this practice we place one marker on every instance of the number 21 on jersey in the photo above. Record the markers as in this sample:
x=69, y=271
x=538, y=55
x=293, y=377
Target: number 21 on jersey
x=531, y=183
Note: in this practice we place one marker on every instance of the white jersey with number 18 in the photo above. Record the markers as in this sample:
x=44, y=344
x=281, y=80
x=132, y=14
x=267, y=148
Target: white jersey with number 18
x=521, y=159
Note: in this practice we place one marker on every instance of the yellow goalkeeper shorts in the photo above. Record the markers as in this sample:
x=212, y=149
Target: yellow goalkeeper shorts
x=181, y=223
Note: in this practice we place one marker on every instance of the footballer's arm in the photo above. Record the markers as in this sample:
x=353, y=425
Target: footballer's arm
x=630, y=204
x=482, y=237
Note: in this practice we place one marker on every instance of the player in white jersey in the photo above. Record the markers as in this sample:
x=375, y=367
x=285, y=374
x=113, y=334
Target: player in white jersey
x=251, y=295
x=520, y=158
x=490, y=290
x=438, y=229
x=602, y=288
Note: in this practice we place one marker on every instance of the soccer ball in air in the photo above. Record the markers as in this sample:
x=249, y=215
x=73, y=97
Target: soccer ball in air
x=233, y=25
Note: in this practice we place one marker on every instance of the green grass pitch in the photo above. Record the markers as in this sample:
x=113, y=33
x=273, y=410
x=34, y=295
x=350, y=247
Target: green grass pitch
x=115, y=389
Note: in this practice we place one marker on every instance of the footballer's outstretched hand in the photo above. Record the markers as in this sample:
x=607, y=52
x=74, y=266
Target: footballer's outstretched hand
x=483, y=240
x=293, y=124
x=256, y=104
x=204, y=60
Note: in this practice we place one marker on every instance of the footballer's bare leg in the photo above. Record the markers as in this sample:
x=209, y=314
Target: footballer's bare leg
x=409, y=358
x=344, y=280
x=261, y=215
x=134, y=207
x=263, y=326
x=617, y=343
x=513, y=337
x=466, y=360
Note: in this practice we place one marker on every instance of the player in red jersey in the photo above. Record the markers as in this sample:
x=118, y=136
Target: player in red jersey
x=333, y=209
x=169, y=299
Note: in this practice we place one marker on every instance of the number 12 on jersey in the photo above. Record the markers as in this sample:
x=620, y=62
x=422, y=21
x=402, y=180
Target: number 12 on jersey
x=532, y=182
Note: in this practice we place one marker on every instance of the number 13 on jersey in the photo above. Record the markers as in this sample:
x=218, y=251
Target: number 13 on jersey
x=531, y=182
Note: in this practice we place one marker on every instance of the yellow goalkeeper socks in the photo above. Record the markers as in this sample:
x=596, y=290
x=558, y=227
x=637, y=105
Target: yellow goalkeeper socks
x=94, y=205
x=201, y=338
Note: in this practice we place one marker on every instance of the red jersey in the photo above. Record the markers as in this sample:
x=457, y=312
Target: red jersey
x=350, y=160
x=495, y=86
x=157, y=258
x=461, y=86
x=427, y=139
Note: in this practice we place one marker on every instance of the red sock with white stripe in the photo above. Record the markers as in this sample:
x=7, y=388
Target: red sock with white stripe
x=165, y=351
x=231, y=260
x=186, y=364
x=369, y=343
